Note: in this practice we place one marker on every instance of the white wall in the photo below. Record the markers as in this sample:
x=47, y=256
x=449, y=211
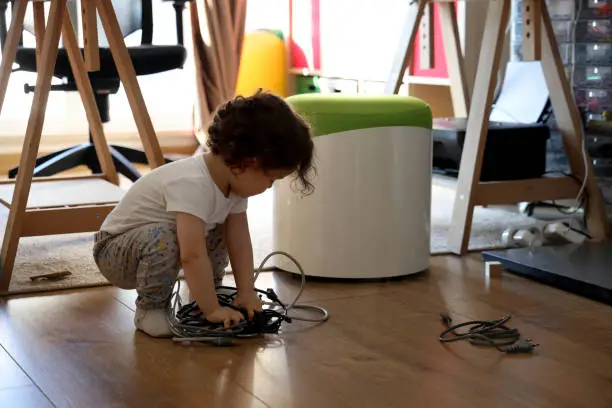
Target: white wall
x=169, y=96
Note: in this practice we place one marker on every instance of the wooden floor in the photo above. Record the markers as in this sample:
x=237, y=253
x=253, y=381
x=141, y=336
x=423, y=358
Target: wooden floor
x=379, y=349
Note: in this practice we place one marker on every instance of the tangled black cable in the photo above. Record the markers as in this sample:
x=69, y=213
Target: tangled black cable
x=191, y=322
x=493, y=333
x=188, y=323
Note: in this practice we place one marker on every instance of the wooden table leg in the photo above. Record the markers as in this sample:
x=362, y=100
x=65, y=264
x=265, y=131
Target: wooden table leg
x=89, y=102
x=127, y=74
x=31, y=142
x=10, y=48
x=570, y=125
x=478, y=124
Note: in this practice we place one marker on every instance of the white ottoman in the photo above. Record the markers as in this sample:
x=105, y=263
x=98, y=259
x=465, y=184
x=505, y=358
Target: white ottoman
x=369, y=216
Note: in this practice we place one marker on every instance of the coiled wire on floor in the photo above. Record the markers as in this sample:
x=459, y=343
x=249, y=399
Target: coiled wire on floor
x=187, y=321
x=491, y=333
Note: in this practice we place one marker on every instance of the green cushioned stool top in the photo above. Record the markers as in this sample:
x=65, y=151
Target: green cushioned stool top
x=332, y=113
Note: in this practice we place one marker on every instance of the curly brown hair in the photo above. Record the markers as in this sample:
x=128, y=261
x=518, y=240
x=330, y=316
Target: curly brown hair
x=264, y=128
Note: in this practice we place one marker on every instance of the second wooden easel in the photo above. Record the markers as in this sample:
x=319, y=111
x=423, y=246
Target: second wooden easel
x=540, y=44
x=62, y=205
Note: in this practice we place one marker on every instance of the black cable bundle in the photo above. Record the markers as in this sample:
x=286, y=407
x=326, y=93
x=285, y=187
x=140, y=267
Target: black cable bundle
x=191, y=320
x=493, y=333
x=188, y=324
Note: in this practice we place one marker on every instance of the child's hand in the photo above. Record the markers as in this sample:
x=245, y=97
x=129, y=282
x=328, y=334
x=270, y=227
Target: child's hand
x=225, y=315
x=249, y=301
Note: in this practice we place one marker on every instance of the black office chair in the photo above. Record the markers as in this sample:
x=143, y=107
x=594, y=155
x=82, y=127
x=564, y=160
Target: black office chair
x=132, y=15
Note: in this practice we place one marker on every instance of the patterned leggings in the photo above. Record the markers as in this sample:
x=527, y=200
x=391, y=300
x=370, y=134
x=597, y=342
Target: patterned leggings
x=147, y=259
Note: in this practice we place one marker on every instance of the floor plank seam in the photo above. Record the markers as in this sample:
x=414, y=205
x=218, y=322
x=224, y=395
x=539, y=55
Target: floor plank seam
x=252, y=393
x=124, y=304
x=34, y=383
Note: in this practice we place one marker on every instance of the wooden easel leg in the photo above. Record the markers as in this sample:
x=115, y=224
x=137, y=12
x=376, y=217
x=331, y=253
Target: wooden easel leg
x=90, y=37
x=39, y=29
x=125, y=68
x=454, y=59
x=570, y=126
x=10, y=48
x=31, y=143
x=202, y=101
x=400, y=64
x=532, y=30
x=478, y=124
x=89, y=102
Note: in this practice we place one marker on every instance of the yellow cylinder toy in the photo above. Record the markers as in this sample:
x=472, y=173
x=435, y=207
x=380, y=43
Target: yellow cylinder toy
x=263, y=64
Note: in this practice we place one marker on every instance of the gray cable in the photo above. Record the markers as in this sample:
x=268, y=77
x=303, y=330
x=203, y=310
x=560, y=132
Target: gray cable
x=294, y=305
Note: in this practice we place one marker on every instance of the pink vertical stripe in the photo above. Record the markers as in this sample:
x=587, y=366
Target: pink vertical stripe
x=316, y=34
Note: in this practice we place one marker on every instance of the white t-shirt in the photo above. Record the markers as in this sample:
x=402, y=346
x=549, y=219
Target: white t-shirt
x=185, y=186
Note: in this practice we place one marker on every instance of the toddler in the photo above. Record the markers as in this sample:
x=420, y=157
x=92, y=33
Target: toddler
x=191, y=213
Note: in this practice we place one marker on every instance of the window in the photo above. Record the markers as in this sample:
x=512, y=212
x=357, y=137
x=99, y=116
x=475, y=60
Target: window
x=359, y=39
x=172, y=112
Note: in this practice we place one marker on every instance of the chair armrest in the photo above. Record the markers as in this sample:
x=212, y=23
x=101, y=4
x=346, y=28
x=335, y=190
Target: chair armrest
x=179, y=6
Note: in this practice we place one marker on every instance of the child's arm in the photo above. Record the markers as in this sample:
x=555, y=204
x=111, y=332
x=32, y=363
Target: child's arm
x=198, y=270
x=240, y=250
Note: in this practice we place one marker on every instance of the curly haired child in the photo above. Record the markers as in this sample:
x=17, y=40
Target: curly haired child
x=191, y=213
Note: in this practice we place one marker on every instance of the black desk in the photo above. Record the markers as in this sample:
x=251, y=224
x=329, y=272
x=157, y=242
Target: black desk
x=582, y=269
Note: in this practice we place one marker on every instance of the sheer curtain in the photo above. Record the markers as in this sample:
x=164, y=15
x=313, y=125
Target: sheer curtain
x=217, y=28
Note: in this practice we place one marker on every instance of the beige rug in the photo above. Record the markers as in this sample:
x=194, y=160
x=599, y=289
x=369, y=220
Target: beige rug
x=40, y=255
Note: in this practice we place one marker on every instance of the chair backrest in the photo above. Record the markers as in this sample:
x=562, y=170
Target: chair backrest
x=132, y=15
